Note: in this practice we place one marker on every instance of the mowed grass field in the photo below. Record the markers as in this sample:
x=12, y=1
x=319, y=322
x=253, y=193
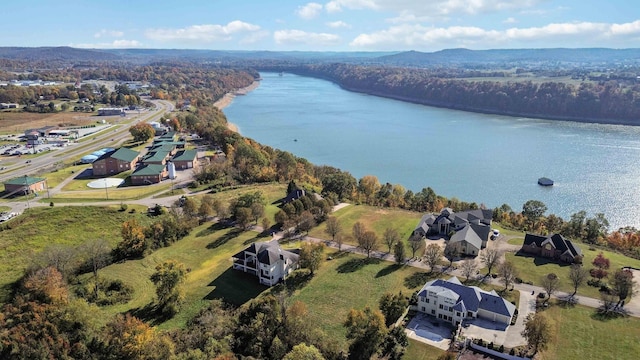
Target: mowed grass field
x=578, y=333
x=375, y=219
x=32, y=231
x=12, y=122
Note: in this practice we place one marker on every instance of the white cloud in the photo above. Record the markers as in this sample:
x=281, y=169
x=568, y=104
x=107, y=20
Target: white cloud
x=338, y=24
x=108, y=33
x=254, y=37
x=206, y=32
x=309, y=11
x=509, y=20
x=415, y=36
x=116, y=44
x=287, y=37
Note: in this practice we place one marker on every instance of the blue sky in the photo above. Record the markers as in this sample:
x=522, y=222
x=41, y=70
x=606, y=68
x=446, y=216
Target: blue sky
x=334, y=25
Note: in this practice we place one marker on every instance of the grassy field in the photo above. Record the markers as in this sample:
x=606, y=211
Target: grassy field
x=421, y=351
x=580, y=333
x=125, y=193
x=17, y=121
x=533, y=269
x=39, y=227
x=375, y=219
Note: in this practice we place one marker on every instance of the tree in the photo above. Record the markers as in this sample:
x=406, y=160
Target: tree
x=533, y=210
x=399, y=252
x=168, y=277
x=339, y=240
x=206, y=208
x=368, y=242
x=394, y=344
x=391, y=236
x=304, y=352
x=306, y=222
x=366, y=330
x=142, y=132
x=550, y=284
x=333, y=227
x=266, y=224
x=189, y=207
x=243, y=217
x=451, y=252
x=96, y=254
x=134, y=242
x=537, y=332
x=416, y=244
x=595, y=228
x=311, y=255
x=257, y=211
x=358, y=230
x=57, y=255
x=490, y=257
x=126, y=337
x=468, y=268
x=507, y=273
x=577, y=276
x=601, y=264
x=432, y=255
x=393, y=306
x=622, y=284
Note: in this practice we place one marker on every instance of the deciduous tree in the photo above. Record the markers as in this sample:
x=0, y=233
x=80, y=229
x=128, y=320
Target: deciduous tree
x=490, y=257
x=533, y=210
x=333, y=227
x=399, y=253
x=577, y=276
x=366, y=330
x=468, y=268
x=622, y=284
x=393, y=306
x=168, y=277
x=550, y=284
x=358, y=230
x=391, y=236
x=601, y=264
x=432, y=255
x=304, y=352
x=537, y=332
x=368, y=242
x=142, y=132
x=311, y=256
x=416, y=243
x=507, y=273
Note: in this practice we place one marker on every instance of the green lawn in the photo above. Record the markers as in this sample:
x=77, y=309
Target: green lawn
x=533, y=269
x=579, y=333
x=421, y=351
x=125, y=193
x=38, y=227
x=54, y=178
x=375, y=219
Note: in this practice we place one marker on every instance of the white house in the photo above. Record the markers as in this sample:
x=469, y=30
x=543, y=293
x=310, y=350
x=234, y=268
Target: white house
x=453, y=302
x=267, y=261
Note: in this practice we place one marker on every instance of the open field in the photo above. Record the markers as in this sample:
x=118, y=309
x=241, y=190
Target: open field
x=421, y=351
x=375, y=219
x=39, y=227
x=579, y=333
x=13, y=122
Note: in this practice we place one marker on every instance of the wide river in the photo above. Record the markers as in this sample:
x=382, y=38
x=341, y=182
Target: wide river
x=487, y=159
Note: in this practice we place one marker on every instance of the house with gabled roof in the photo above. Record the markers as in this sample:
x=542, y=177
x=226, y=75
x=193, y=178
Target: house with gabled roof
x=115, y=162
x=159, y=157
x=471, y=229
x=23, y=185
x=149, y=174
x=453, y=302
x=185, y=159
x=266, y=260
x=554, y=246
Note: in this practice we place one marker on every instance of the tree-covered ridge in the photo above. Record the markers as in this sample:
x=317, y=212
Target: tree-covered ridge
x=612, y=101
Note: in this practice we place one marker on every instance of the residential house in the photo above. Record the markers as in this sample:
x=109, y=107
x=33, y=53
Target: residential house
x=24, y=184
x=471, y=229
x=185, y=159
x=149, y=174
x=553, y=247
x=266, y=260
x=115, y=162
x=453, y=302
x=9, y=106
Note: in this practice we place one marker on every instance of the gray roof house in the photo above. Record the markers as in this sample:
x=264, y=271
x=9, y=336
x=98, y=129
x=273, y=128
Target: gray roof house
x=266, y=260
x=453, y=302
x=471, y=227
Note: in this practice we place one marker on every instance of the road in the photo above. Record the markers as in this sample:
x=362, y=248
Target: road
x=104, y=139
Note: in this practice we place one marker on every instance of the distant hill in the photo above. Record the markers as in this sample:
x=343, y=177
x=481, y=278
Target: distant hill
x=466, y=56
x=61, y=53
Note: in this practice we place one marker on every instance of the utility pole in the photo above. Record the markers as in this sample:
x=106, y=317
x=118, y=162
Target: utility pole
x=26, y=190
x=106, y=188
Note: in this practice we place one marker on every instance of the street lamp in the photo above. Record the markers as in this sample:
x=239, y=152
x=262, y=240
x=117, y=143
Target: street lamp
x=106, y=188
x=26, y=189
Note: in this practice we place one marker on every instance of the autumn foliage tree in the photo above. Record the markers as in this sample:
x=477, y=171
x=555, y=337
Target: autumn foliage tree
x=167, y=278
x=601, y=264
x=142, y=132
x=133, y=242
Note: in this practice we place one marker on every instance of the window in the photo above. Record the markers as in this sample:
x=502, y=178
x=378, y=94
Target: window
x=450, y=309
x=423, y=309
x=433, y=312
x=458, y=313
x=441, y=306
x=427, y=301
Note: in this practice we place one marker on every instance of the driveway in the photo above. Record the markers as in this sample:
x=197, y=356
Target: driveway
x=526, y=306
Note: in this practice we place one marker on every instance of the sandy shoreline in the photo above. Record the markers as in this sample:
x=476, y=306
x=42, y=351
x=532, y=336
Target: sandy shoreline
x=227, y=99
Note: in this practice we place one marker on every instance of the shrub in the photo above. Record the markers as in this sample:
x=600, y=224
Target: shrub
x=490, y=346
x=501, y=348
x=124, y=207
x=512, y=351
x=541, y=295
x=51, y=204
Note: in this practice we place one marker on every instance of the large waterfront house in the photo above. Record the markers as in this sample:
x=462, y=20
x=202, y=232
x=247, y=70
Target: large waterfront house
x=266, y=260
x=469, y=230
x=453, y=302
x=553, y=247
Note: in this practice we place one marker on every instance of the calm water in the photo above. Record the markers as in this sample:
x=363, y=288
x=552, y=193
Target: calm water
x=488, y=159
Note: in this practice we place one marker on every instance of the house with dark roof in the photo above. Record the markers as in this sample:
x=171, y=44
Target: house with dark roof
x=159, y=157
x=115, y=162
x=471, y=228
x=266, y=260
x=185, y=159
x=553, y=247
x=149, y=174
x=453, y=302
x=24, y=184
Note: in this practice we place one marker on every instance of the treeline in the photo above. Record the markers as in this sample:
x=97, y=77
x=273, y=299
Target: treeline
x=606, y=101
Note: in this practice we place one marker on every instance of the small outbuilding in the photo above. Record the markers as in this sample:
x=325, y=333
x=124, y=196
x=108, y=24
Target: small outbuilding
x=24, y=184
x=186, y=159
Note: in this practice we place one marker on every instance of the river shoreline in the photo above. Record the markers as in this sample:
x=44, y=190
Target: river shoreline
x=227, y=99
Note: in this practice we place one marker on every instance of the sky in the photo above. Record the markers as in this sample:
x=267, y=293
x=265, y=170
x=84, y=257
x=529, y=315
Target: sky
x=334, y=25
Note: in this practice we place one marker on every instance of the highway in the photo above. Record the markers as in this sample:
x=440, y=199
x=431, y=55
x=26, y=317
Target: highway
x=107, y=138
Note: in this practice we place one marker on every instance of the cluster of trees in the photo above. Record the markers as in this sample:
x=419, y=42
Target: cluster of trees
x=32, y=96
x=602, y=101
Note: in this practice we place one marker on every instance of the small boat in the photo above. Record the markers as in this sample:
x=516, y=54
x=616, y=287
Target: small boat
x=544, y=181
